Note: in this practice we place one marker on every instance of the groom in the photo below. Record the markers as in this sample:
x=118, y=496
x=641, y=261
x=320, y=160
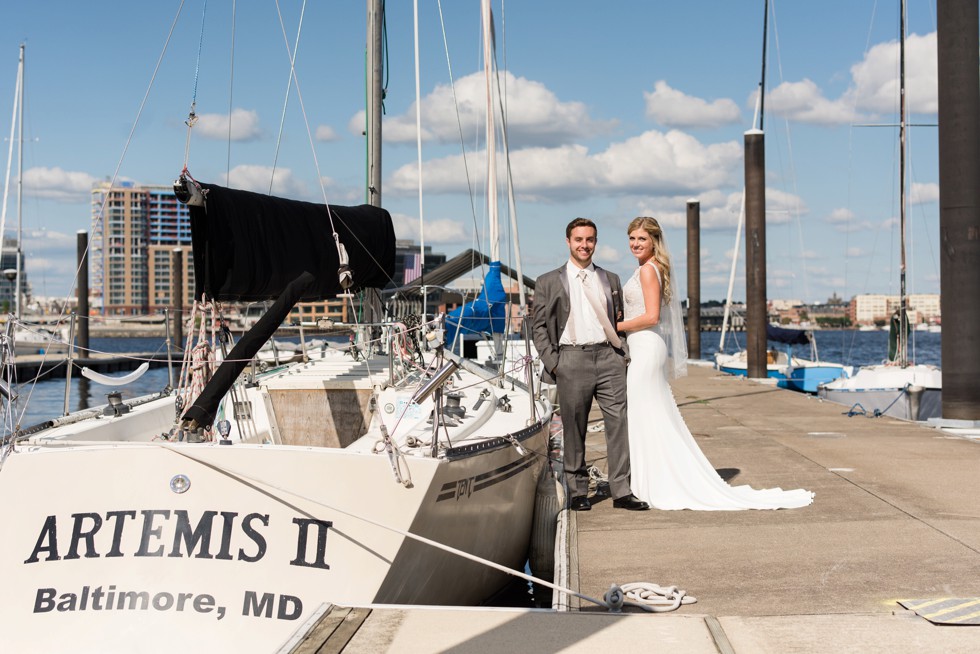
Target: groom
x=575, y=308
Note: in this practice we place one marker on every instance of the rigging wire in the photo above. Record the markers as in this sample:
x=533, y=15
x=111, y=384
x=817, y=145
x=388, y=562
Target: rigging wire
x=231, y=89
x=98, y=219
x=192, y=114
x=289, y=82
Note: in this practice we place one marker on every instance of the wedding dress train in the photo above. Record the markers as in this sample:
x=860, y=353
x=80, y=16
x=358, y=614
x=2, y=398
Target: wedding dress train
x=668, y=469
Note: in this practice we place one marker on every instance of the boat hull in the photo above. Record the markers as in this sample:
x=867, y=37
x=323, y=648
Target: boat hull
x=910, y=393
x=261, y=537
x=893, y=402
x=808, y=378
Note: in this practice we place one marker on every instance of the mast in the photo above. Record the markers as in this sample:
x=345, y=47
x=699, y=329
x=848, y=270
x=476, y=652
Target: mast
x=757, y=122
x=20, y=181
x=375, y=97
x=903, y=119
x=491, y=136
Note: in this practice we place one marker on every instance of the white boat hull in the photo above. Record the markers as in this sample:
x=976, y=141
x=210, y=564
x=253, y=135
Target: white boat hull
x=109, y=557
x=911, y=393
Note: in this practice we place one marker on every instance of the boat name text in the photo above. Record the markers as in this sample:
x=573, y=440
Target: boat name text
x=173, y=534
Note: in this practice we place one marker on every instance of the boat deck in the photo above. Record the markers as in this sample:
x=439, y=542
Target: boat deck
x=895, y=518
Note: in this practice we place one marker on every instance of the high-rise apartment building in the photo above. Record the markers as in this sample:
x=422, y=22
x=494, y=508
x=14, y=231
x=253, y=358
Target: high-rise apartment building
x=135, y=230
x=8, y=293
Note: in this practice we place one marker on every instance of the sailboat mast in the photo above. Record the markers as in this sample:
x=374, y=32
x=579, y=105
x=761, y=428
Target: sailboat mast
x=491, y=135
x=757, y=122
x=762, y=81
x=20, y=181
x=903, y=120
x=375, y=96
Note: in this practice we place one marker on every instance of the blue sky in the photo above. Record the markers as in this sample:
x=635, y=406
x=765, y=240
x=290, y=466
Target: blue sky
x=615, y=109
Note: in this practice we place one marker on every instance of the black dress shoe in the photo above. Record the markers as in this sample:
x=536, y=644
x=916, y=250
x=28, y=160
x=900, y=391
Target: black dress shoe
x=630, y=503
x=581, y=503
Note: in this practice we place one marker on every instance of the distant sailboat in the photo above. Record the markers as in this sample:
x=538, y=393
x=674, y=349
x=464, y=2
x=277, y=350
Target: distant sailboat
x=790, y=372
x=30, y=338
x=898, y=388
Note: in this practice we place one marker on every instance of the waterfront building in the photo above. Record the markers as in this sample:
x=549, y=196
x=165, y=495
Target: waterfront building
x=135, y=230
x=8, y=293
x=870, y=309
x=408, y=262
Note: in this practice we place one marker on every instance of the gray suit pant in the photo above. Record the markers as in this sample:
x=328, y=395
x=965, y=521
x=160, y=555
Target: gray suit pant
x=583, y=375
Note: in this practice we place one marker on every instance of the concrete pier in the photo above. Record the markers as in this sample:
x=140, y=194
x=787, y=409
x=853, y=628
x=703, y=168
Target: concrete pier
x=895, y=517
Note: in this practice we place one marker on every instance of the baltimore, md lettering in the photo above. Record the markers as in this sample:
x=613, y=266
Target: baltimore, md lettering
x=97, y=599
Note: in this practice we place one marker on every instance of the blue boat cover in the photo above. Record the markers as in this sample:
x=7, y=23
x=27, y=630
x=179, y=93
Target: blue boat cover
x=787, y=336
x=486, y=314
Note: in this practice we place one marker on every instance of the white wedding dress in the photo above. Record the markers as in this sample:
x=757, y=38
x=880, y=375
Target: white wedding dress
x=668, y=469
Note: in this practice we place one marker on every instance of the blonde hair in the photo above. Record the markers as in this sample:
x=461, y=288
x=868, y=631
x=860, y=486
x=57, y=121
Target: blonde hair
x=652, y=227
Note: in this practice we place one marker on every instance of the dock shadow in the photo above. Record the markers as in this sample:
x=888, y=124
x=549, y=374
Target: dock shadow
x=727, y=474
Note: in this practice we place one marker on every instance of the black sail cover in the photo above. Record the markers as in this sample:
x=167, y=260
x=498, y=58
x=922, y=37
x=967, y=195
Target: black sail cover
x=248, y=246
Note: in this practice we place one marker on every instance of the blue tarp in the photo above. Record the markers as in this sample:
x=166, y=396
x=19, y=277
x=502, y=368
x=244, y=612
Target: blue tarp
x=487, y=314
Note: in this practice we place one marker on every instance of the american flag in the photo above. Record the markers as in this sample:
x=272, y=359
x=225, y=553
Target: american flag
x=413, y=268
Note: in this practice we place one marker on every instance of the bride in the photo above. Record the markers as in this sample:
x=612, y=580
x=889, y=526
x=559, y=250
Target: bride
x=669, y=471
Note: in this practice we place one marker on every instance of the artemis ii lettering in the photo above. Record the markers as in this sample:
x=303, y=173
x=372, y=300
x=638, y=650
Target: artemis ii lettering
x=161, y=533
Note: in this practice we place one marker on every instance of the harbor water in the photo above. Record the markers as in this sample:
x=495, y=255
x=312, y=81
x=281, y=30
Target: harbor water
x=46, y=399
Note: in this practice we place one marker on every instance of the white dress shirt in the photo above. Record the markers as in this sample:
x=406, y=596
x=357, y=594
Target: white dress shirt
x=582, y=319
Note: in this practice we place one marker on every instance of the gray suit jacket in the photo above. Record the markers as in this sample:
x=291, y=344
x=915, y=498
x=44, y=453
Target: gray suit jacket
x=551, y=309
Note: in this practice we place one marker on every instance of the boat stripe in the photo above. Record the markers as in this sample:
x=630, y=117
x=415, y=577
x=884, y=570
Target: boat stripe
x=506, y=476
x=487, y=479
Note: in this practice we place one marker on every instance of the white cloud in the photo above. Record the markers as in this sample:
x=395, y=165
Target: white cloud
x=58, y=185
x=839, y=216
x=844, y=220
x=244, y=126
x=326, y=133
x=535, y=115
x=854, y=252
x=49, y=255
x=783, y=207
x=438, y=230
x=256, y=178
x=356, y=125
x=874, y=87
x=875, y=83
x=673, y=108
x=923, y=193
x=607, y=253
x=804, y=102
x=671, y=163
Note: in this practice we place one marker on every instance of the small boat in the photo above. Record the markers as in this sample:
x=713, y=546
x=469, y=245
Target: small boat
x=737, y=363
x=31, y=337
x=804, y=375
x=789, y=371
x=909, y=393
x=899, y=388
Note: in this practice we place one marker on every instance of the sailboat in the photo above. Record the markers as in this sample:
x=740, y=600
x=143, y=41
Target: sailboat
x=789, y=371
x=389, y=471
x=31, y=338
x=899, y=388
